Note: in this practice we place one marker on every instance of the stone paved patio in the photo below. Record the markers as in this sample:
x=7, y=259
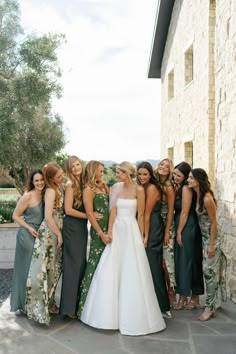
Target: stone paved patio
x=184, y=335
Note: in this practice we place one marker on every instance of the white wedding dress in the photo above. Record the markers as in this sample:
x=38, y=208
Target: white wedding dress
x=122, y=295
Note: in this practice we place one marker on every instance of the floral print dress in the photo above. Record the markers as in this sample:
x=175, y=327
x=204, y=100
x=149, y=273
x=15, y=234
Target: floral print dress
x=214, y=269
x=168, y=251
x=101, y=205
x=45, y=271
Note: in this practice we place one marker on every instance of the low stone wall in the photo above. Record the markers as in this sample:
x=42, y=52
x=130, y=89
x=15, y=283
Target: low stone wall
x=9, y=191
x=7, y=245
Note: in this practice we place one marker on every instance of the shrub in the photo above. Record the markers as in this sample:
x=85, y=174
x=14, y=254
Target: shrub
x=6, y=210
x=7, y=185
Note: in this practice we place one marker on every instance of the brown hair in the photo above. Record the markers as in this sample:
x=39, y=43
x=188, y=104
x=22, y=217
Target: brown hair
x=49, y=172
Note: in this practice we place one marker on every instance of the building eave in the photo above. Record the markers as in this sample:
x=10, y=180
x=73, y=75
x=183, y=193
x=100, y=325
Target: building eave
x=163, y=18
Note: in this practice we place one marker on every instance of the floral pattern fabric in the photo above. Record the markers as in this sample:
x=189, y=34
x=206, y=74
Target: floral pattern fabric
x=168, y=251
x=45, y=271
x=100, y=205
x=214, y=269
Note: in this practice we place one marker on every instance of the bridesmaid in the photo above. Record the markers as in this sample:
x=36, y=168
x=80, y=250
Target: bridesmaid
x=163, y=173
x=154, y=233
x=95, y=198
x=214, y=261
x=75, y=237
x=45, y=267
x=30, y=206
x=188, y=249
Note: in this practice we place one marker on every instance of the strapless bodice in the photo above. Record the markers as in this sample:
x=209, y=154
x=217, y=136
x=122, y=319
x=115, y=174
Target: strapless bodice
x=126, y=208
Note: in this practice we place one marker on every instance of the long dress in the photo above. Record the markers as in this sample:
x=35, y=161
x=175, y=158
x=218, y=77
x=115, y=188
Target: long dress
x=168, y=251
x=188, y=258
x=155, y=256
x=24, y=248
x=45, y=271
x=100, y=205
x=75, y=237
x=122, y=295
x=214, y=269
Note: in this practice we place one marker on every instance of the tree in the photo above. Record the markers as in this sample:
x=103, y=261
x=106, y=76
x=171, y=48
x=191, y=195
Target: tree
x=30, y=134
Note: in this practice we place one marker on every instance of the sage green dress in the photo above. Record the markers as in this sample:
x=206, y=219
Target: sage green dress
x=214, y=269
x=24, y=249
x=45, y=271
x=100, y=205
x=168, y=251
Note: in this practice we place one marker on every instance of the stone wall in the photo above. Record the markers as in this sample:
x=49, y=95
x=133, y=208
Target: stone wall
x=202, y=113
x=185, y=117
x=7, y=245
x=225, y=98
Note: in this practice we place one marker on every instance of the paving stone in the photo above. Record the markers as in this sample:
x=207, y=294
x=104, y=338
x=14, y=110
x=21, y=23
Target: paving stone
x=215, y=344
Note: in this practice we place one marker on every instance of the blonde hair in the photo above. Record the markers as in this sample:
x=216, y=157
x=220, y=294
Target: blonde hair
x=127, y=168
x=169, y=177
x=91, y=175
x=75, y=183
x=49, y=172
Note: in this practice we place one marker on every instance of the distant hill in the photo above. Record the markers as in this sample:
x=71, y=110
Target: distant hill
x=109, y=163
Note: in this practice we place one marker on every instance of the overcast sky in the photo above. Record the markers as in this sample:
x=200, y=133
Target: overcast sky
x=109, y=107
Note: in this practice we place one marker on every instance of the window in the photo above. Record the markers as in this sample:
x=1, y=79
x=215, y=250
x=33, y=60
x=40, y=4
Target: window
x=171, y=153
x=188, y=152
x=171, y=85
x=188, y=57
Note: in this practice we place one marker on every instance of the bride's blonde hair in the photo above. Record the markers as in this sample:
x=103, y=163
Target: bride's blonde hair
x=127, y=168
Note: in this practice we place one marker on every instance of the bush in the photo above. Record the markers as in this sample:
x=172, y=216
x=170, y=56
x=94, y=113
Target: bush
x=7, y=185
x=6, y=210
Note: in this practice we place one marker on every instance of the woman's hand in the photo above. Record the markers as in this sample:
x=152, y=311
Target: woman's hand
x=211, y=251
x=145, y=241
x=179, y=239
x=59, y=241
x=97, y=215
x=33, y=232
x=166, y=238
x=106, y=238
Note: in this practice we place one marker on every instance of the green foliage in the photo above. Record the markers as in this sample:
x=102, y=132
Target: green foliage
x=7, y=206
x=7, y=185
x=30, y=134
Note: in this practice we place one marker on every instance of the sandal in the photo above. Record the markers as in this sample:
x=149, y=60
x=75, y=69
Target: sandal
x=54, y=310
x=72, y=316
x=191, y=305
x=207, y=315
x=181, y=303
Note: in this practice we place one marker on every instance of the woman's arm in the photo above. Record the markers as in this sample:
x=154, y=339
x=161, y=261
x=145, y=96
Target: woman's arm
x=112, y=218
x=88, y=204
x=152, y=196
x=211, y=210
x=187, y=196
x=69, y=199
x=141, y=208
x=21, y=206
x=170, y=195
x=50, y=195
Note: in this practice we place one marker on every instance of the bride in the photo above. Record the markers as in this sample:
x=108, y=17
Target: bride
x=122, y=295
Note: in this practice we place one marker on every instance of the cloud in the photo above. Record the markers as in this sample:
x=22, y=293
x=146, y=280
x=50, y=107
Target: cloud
x=110, y=108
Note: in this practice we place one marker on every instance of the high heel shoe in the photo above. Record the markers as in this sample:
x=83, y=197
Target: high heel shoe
x=181, y=303
x=207, y=315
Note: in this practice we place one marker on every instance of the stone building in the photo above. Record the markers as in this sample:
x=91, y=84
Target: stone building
x=194, y=54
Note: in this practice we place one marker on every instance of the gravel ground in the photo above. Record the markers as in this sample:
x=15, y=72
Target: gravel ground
x=5, y=284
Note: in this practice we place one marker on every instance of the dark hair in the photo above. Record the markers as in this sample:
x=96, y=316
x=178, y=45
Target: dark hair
x=149, y=168
x=201, y=177
x=184, y=168
x=30, y=186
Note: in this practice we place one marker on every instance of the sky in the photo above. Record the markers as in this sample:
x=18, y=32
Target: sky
x=109, y=107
